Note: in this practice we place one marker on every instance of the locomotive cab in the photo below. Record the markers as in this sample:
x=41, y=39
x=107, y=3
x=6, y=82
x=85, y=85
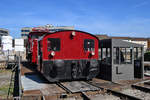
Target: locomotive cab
x=69, y=55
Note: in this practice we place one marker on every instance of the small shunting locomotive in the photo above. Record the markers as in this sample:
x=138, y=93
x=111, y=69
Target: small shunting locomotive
x=64, y=55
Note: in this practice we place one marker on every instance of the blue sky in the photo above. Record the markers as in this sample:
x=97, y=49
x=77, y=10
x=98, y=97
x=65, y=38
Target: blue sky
x=111, y=17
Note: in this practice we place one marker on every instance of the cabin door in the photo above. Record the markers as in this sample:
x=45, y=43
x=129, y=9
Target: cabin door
x=138, y=60
x=123, y=67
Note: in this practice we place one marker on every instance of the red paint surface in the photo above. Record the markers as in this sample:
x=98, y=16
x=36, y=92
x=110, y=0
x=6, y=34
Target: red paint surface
x=70, y=48
x=35, y=51
x=33, y=44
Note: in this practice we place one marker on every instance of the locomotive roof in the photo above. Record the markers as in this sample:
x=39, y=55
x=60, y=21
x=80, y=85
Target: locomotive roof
x=47, y=33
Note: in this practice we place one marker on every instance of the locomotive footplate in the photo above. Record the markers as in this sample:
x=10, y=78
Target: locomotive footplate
x=78, y=86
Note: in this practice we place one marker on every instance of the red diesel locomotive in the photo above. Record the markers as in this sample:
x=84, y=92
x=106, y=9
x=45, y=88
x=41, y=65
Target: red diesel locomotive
x=32, y=45
x=67, y=55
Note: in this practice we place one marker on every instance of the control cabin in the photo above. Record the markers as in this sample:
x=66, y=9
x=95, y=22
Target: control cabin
x=120, y=60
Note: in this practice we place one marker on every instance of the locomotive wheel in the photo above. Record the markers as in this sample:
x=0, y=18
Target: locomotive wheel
x=74, y=72
x=53, y=72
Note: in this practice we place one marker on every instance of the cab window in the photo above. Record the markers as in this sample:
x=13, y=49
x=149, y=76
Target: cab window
x=89, y=45
x=53, y=44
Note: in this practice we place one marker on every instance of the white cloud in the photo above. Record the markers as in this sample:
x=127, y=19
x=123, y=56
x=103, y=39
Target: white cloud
x=141, y=4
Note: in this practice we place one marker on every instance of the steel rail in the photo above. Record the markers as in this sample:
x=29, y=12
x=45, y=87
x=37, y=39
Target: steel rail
x=142, y=88
x=116, y=93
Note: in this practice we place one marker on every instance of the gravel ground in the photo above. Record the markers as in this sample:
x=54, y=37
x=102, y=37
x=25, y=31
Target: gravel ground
x=137, y=93
x=104, y=97
x=5, y=76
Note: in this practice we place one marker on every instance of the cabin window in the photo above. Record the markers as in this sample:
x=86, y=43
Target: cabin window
x=122, y=55
x=106, y=55
x=116, y=55
x=129, y=55
x=53, y=44
x=125, y=55
x=89, y=45
x=100, y=53
x=137, y=53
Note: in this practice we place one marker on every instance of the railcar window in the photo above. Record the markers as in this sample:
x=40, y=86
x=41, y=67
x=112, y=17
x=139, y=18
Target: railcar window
x=53, y=44
x=89, y=45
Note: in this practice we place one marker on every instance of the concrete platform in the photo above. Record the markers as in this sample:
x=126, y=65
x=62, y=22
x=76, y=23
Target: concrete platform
x=32, y=82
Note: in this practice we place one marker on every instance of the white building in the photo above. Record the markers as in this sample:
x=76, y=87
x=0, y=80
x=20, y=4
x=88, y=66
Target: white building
x=26, y=30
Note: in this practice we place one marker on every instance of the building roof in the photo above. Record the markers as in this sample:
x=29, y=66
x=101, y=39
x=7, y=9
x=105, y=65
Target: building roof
x=117, y=43
x=103, y=36
x=4, y=29
x=131, y=38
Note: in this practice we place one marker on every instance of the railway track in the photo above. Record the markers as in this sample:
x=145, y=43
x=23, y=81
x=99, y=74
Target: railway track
x=89, y=90
x=79, y=90
x=95, y=92
x=82, y=90
x=137, y=92
x=118, y=94
x=140, y=90
x=143, y=86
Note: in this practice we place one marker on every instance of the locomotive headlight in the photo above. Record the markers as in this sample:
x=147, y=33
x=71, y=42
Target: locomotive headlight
x=73, y=33
x=92, y=53
x=52, y=53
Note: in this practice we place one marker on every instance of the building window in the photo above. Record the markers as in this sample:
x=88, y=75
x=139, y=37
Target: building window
x=24, y=34
x=25, y=30
x=53, y=44
x=1, y=31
